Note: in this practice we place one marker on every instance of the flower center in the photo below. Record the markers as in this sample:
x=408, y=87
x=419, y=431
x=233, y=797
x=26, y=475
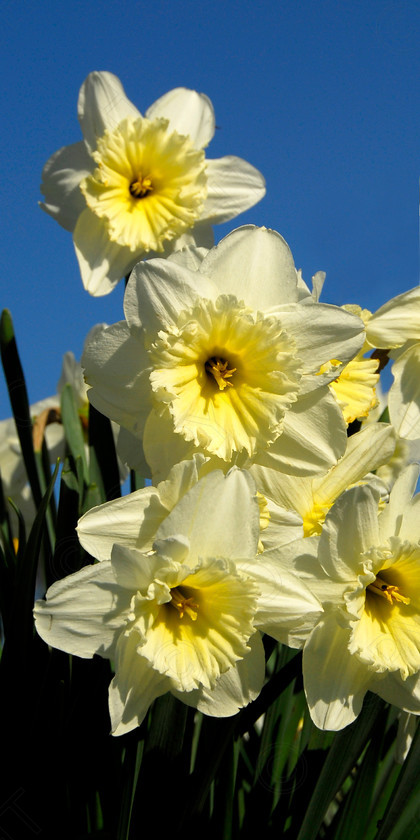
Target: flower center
x=144, y=159
x=219, y=369
x=214, y=346
x=183, y=604
x=141, y=187
x=388, y=591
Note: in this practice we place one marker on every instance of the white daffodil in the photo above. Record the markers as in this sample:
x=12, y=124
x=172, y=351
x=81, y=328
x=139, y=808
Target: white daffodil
x=225, y=359
x=312, y=497
x=46, y=417
x=365, y=568
x=186, y=616
x=355, y=387
x=395, y=328
x=141, y=185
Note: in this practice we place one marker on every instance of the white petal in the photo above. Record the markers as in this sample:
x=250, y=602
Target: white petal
x=292, y=492
x=235, y=689
x=83, y=613
x=132, y=569
x=404, y=394
x=159, y=289
x=400, y=516
x=162, y=447
x=115, y=366
x=130, y=451
x=365, y=451
x=405, y=694
x=335, y=682
x=256, y=265
x=396, y=322
x=102, y=105
x=284, y=525
x=102, y=263
x=131, y=521
x=134, y=687
x=219, y=515
x=300, y=558
x=61, y=178
x=350, y=529
x=313, y=437
x=233, y=186
x=287, y=610
x=189, y=113
x=322, y=332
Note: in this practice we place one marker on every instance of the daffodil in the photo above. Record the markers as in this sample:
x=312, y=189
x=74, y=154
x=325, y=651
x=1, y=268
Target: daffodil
x=365, y=569
x=138, y=185
x=46, y=418
x=311, y=497
x=187, y=615
x=395, y=329
x=224, y=359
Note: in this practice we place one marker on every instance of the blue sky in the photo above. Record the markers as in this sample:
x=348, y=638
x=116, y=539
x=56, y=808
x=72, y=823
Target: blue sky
x=323, y=97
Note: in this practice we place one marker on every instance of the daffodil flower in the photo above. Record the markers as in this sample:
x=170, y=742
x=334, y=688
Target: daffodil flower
x=138, y=185
x=365, y=569
x=311, y=497
x=225, y=359
x=186, y=616
x=395, y=327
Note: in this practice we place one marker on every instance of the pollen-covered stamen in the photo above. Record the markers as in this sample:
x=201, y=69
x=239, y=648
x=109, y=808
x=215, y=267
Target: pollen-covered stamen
x=184, y=605
x=141, y=187
x=219, y=370
x=388, y=591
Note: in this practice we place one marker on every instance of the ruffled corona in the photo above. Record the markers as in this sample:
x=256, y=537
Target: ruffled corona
x=149, y=186
x=227, y=375
x=387, y=635
x=354, y=388
x=194, y=624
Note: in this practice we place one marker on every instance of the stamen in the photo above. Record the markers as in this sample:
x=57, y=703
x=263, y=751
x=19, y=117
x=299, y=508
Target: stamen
x=141, y=187
x=218, y=368
x=388, y=591
x=184, y=605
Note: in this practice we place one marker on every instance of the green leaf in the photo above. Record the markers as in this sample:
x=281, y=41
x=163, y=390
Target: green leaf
x=73, y=428
x=401, y=820
x=342, y=756
x=19, y=400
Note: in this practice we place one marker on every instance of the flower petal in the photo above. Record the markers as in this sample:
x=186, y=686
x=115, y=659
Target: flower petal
x=404, y=394
x=61, y=177
x=163, y=448
x=322, y=332
x=130, y=521
x=234, y=689
x=134, y=687
x=335, y=682
x=256, y=265
x=189, y=113
x=366, y=450
x=400, y=516
x=102, y=263
x=102, y=104
x=158, y=290
x=396, y=322
x=350, y=529
x=402, y=693
x=287, y=610
x=83, y=612
x=233, y=186
x=219, y=515
x=312, y=439
x=115, y=366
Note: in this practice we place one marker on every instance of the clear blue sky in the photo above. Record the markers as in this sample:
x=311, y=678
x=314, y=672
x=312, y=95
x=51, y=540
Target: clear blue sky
x=323, y=97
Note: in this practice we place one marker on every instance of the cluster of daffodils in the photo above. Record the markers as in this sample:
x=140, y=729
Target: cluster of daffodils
x=234, y=391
